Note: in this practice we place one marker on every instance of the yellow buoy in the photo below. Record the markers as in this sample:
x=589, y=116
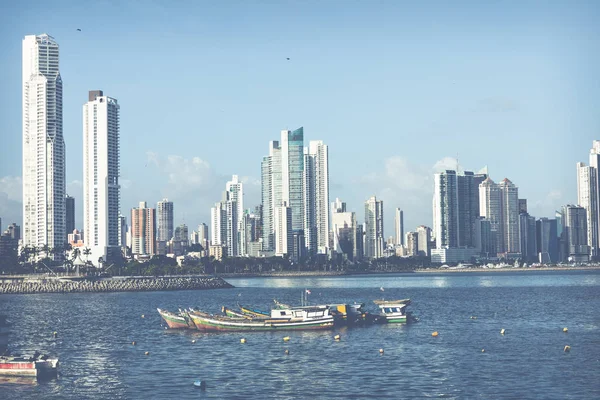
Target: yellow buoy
x=194, y=341
x=287, y=351
x=567, y=348
x=565, y=329
x=380, y=351
x=434, y=334
x=242, y=340
x=147, y=353
x=55, y=334
x=337, y=337
x=143, y=316
x=133, y=343
x=483, y=350
x=502, y=331
x=286, y=339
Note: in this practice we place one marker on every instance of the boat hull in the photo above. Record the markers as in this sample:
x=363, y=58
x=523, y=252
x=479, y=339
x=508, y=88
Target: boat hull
x=212, y=324
x=173, y=321
x=29, y=368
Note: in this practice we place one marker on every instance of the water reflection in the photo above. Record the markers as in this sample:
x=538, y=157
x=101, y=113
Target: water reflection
x=431, y=280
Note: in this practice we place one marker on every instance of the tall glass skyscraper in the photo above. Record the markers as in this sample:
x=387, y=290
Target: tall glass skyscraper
x=292, y=168
x=44, y=214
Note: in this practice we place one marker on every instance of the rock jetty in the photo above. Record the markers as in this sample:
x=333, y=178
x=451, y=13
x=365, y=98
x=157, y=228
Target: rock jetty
x=136, y=284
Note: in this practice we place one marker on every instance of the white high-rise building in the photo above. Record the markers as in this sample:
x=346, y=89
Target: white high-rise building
x=399, y=227
x=373, y=228
x=235, y=188
x=490, y=209
x=101, y=176
x=587, y=193
x=44, y=214
x=282, y=222
x=316, y=197
x=509, y=200
x=595, y=163
x=270, y=192
x=218, y=223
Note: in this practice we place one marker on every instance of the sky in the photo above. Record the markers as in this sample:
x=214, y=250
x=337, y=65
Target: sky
x=398, y=90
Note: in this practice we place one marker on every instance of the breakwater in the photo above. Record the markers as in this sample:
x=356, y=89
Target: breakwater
x=138, y=284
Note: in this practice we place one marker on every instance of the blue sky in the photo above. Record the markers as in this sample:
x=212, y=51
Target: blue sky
x=397, y=89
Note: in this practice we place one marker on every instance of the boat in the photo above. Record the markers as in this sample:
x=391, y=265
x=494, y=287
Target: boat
x=393, y=311
x=176, y=321
x=34, y=366
x=349, y=314
x=234, y=314
x=280, y=319
x=253, y=312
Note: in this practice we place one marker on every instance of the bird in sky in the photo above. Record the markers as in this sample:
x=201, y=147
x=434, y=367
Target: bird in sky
x=78, y=30
x=287, y=58
x=382, y=289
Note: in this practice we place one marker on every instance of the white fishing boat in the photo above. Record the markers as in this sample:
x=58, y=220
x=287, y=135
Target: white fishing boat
x=393, y=311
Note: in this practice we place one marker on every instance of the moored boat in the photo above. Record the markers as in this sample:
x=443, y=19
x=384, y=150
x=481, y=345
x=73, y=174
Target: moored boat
x=254, y=312
x=292, y=319
x=234, y=314
x=176, y=321
x=35, y=366
x=393, y=311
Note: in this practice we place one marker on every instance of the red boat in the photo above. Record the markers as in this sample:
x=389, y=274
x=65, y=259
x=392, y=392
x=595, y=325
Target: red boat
x=35, y=366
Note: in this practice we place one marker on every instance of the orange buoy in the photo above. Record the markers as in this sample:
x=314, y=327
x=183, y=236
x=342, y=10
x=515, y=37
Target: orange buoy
x=435, y=334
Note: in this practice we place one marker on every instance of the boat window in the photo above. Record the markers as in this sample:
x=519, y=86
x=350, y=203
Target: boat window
x=282, y=313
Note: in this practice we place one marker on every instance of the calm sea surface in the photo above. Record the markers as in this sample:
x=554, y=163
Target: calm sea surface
x=98, y=360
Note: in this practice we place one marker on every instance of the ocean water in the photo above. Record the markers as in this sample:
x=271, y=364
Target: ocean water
x=98, y=360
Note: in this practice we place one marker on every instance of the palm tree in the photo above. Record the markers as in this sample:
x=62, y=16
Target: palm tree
x=86, y=252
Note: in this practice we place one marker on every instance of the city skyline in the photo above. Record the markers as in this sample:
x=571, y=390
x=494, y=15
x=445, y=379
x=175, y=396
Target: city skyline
x=191, y=174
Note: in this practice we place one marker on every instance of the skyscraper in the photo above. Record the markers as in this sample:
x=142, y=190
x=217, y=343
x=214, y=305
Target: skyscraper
x=527, y=238
x=101, y=176
x=490, y=209
x=575, y=233
x=270, y=192
x=509, y=211
x=346, y=238
x=164, y=220
x=292, y=174
x=316, y=197
x=445, y=200
x=70, y=214
x=399, y=227
x=587, y=193
x=143, y=230
x=423, y=239
x=282, y=222
x=44, y=219
x=373, y=228
x=235, y=188
x=203, y=235
x=547, y=240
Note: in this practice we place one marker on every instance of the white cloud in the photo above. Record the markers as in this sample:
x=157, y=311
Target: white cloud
x=548, y=205
x=444, y=164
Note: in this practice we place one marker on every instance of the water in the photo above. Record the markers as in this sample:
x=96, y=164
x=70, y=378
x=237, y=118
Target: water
x=98, y=360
